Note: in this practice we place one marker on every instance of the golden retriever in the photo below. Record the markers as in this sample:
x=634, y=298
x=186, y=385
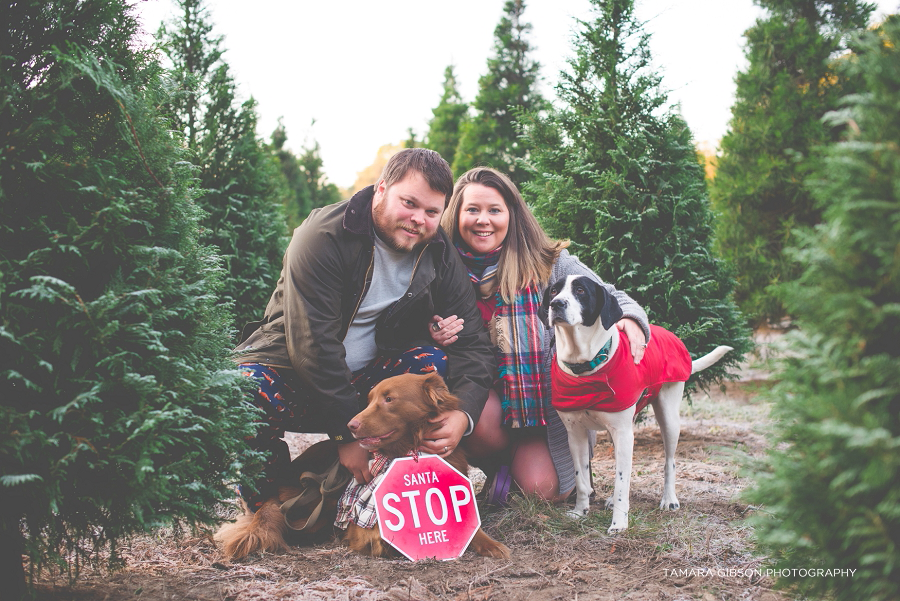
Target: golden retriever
x=394, y=423
x=393, y=429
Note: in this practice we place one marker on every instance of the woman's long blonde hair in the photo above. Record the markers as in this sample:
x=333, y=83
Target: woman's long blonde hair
x=528, y=253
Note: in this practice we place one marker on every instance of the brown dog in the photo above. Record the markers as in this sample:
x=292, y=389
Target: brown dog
x=395, y=423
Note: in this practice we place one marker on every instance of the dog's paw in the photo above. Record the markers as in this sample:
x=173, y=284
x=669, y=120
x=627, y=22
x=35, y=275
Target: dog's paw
x=617, y=528
x=577, y=514
x=494, y=549
x=670, y=503
x=488, y=547
x=367, y=541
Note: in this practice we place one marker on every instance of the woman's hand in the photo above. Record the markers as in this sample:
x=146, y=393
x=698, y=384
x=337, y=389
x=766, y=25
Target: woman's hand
x=444, y=330
x=449, y=428
x=635, y=337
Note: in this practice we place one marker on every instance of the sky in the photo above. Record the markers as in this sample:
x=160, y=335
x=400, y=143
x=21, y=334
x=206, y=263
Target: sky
x=354, y=75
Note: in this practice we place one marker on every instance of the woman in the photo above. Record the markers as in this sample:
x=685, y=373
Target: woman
x=510, y=261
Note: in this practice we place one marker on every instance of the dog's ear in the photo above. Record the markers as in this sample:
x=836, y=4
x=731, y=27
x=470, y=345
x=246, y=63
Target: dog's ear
x=544, y=309
x=438, y=393
x=602, y=305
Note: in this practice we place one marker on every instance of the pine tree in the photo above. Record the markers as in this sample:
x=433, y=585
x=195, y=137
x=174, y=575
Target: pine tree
x=758, y=191
x=296, y=203
x=321, y=191
x=245, y=189
x=831, y=481
x=491, y=138
x=196, y=53
x=118, y=410
x=444, y=129
x=308, y=186
x=619, y=176
x=411, y=141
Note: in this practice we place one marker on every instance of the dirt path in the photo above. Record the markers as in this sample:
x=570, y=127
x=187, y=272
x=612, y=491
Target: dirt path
x=702, y=551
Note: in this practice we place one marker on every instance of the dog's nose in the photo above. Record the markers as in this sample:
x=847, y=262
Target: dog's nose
x=354, y=425
x=558, y=303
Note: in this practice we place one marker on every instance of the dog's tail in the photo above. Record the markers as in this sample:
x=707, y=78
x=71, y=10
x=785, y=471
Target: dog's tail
x=710, y=358
x=251, y=533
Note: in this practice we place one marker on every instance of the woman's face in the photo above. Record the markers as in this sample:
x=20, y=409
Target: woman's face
x=483, y=218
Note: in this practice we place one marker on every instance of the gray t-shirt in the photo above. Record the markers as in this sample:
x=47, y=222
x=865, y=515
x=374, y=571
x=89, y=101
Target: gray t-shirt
x=391, y=277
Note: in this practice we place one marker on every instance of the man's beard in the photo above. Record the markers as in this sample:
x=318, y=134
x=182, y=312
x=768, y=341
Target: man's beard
x=389, y=237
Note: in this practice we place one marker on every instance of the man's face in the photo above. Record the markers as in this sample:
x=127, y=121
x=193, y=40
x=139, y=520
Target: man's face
x=407, y=214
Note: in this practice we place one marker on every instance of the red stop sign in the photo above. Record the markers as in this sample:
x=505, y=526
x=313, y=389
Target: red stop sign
x=426, y=508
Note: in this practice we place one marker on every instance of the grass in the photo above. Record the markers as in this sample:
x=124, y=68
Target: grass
x=687, y=534
x=554, y=556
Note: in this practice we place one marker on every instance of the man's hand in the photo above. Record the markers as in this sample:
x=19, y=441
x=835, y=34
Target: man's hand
x=356, y=460
x=635, y=337
x=449, y=428
x=444, y=330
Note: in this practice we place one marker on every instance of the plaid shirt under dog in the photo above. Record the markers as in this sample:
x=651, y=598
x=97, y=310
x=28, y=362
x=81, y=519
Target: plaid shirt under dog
x=357, y=504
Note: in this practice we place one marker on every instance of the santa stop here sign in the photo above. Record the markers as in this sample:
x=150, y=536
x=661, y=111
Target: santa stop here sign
x=426, y=508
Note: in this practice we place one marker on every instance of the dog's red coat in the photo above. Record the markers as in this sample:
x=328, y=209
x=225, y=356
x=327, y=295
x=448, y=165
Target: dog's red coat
x=619, y=384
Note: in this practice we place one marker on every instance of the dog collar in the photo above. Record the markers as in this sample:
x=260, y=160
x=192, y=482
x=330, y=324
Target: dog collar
x=600, y=357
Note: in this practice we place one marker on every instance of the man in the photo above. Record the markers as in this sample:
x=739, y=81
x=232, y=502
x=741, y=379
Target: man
x=361, y=279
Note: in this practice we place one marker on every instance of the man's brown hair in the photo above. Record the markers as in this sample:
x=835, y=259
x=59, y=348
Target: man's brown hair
x=430, y=164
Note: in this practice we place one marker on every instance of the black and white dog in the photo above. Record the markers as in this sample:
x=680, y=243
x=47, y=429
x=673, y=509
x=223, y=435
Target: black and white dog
x=597, y=386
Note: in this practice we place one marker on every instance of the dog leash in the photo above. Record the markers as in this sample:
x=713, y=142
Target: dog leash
x=316, y=489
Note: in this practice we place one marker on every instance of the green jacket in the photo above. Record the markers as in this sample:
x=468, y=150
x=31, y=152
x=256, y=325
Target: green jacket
x=326, y=272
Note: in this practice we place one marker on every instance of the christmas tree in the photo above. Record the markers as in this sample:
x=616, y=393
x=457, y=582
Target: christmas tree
x=831, y=481
x=758, y=192
x=244, y=188
x=620, y=177
x=118, y=409
x=491, y=137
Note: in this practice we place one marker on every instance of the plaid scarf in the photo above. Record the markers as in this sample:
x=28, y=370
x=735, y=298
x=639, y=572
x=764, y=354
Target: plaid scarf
x=518, y=337
x=357, y=504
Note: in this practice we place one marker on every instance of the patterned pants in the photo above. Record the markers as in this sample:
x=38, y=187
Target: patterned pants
x=282, y=395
